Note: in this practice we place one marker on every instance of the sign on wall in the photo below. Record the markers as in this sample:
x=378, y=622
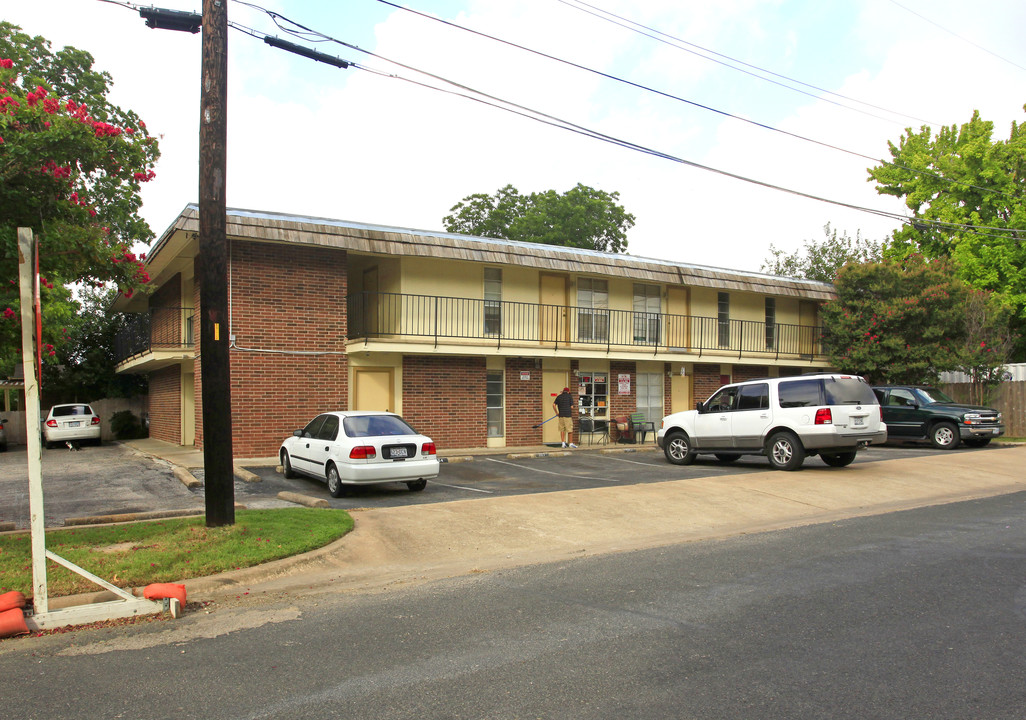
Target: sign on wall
x=624, y=382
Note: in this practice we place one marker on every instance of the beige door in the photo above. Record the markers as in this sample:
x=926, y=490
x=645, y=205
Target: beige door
x=373, y=389
x=553, y=325
x=678, y=329
x=188, y=408
x=553, y=382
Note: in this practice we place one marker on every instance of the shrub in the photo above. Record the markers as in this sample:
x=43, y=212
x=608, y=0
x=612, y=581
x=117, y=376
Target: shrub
x=126, y=426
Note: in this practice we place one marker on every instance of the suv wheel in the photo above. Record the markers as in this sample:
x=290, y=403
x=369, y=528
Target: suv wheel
x=678, y=450
x=784, y=451
x=944, y=436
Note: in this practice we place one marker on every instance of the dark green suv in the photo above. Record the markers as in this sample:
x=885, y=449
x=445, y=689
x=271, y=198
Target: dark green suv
x=917, y=412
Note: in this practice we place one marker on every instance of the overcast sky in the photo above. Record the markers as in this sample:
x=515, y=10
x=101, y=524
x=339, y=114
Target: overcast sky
x=311, y=139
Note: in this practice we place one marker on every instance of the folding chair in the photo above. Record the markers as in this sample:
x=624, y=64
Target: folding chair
x=592, y=427
x=642, y=425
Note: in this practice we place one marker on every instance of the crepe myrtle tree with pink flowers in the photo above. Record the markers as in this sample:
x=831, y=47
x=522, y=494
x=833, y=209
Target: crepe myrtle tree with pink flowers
x=905, y=321
x=71, y=168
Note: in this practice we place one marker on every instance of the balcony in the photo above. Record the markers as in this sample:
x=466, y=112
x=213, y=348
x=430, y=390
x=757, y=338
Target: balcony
x=397, y=317
x=154, y=339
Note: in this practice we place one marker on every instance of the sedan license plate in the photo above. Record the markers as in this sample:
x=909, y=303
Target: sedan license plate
x=397, y=452
x=74, y=424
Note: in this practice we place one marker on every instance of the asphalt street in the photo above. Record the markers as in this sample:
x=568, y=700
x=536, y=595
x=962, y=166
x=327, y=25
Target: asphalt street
x=916, y=614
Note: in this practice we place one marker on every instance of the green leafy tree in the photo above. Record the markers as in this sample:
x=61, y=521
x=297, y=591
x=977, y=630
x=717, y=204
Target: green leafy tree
x=987, y=343
x=896, y=321
x=581, y=217
x=821, y=260
x=83, y=366
x=71, y=166
x=966, y=192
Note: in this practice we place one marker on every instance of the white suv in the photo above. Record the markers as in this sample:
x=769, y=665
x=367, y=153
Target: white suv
x=785, y=419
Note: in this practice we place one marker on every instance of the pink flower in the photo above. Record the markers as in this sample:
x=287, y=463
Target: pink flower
x=6, y=63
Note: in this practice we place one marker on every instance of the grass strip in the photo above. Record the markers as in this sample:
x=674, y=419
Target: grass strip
x=169, y=550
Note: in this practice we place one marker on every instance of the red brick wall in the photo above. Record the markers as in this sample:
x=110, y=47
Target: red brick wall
x=707, y=381
x=622, y=404
x=165, y=402
x=749, y=372
x=284, y=302
x=523, y=403
x=445, y=398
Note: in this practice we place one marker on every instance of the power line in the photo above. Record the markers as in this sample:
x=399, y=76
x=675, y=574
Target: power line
x=498, y=103
x=952, y=32
x=633, y=26
x=684, y=100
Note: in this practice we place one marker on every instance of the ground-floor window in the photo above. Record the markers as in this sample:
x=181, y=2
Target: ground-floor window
x=650, y=396
x=494, y=399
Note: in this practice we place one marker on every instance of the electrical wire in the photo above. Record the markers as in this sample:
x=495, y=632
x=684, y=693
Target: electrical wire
x=952, y=32
x=691, y=102
x=484, y=98
x=633, y=26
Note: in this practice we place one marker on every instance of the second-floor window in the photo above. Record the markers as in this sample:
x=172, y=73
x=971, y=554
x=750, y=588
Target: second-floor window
x=723, y=319
x=593, y=310
x=771, y=323
x=492, y=301
x=646, y=313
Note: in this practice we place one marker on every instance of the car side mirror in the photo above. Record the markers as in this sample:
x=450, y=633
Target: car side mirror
x=298, y=433
x=700, y=406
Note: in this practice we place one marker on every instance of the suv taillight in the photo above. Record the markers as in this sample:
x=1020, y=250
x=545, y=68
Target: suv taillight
x=823, y=417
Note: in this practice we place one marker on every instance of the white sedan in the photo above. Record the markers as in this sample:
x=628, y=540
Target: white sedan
x=70, y=423
x=359, y=448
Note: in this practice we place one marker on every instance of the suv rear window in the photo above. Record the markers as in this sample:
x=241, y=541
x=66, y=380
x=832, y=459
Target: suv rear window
x=825, y=391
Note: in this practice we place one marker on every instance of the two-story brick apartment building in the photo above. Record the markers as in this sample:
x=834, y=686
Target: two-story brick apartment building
x=468, y=338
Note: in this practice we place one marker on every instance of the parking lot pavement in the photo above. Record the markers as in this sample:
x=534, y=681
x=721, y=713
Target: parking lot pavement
x=497, y=475
x=115, y=479
x=105, y=480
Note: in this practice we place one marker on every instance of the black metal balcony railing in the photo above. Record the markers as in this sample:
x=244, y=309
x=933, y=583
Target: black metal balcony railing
x=395, y=315
x=158, y=329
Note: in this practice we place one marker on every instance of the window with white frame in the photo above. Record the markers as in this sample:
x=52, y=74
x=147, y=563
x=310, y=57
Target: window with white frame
x=593, y=310
x=646, y=313
x=723, y=318
x=771, y=323
x=492, y=301
x=650, y=396
x=494, y=394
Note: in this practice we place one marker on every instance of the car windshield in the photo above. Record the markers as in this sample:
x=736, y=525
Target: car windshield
x=376, y=425
x=932, y=395
x=62, y=410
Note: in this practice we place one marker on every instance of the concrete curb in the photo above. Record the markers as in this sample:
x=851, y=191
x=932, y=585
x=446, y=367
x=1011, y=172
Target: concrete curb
x=187, y=478
x=131, y=517
x=245, y=475
x=303, y=499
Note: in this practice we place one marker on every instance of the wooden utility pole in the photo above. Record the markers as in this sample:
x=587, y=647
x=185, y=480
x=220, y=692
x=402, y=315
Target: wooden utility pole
x=212, y=265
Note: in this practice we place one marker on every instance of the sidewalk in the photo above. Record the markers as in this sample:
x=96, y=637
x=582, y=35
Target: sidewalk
x=422, y=543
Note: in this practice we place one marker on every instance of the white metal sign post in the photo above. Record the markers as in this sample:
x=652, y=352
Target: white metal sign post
x=42, y=617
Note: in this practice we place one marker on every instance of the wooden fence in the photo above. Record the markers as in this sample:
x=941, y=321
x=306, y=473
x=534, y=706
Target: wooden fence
x=1008, y=397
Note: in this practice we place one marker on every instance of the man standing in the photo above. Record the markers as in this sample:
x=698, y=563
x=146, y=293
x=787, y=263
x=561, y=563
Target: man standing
x=564, y=407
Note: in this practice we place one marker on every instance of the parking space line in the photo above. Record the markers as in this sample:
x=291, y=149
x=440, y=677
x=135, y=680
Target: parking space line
x=461, y=487
x=632, y=462
x=549, y=472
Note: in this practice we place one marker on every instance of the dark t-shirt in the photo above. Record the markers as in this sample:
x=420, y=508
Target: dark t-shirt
x=565, y=404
